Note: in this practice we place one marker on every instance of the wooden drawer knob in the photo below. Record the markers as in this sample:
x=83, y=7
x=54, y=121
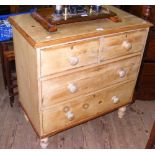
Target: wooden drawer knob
x=115, y=99
x=122, y=73
x=127, y=45
x=70, y=115
x=73, y=60
x=72, y=88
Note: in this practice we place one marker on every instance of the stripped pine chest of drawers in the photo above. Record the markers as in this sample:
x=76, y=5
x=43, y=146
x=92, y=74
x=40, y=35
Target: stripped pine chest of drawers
x=80, y=72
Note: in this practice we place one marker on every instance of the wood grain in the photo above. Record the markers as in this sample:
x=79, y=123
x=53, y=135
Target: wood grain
x=44, y=22
x=98, y=102
x=29, y=28
x=58, y=59
x=44, y=74
x=109, y=132
x=145, y=86
x=56, y=89
x=112, y=46
x=150, y=48
x=26, y=68
x=46, y=13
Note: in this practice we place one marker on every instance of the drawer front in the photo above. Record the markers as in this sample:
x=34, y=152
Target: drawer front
x=71, y=85
x=122, y=44
x=81, y=108
x=66, y=57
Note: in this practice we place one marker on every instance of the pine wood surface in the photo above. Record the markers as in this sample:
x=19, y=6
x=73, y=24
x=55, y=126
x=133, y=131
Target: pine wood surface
x=112, y=45
x=86, y=107
x=91, y=51
x=104, y=132
x=27, y=73
x=55, y=90
x=32, y=60
x=29, y=78
x=86, y=52
x=29, y=28
x=34, y=64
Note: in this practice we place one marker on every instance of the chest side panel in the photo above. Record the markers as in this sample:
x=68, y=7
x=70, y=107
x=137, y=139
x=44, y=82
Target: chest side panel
x=27, y=78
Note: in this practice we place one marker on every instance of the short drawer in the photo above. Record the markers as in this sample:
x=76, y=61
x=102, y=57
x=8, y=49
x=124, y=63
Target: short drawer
x=82, y=108
x=69, y=56
x=122, y=44
x=74, y=84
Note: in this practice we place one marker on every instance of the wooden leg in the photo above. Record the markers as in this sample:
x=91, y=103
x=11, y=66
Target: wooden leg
x=151, y=141
x=44, y=143
x=9, y=81
x=121, y=112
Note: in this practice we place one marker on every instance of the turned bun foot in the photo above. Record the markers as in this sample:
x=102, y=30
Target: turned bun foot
x=26, y=118
x=121, y=112
x=44, y=143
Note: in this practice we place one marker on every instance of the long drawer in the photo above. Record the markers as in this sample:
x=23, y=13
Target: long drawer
x=122, y=44
x=71, y=85
x=83, y=107
x=69, y=56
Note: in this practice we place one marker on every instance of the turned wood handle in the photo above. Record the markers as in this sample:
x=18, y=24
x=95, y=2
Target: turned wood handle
x=122, y=73
x=44, y=22
x=127, y=45
x=70, y=115
x=72, y=87
x=115, y=99
x=73, y=60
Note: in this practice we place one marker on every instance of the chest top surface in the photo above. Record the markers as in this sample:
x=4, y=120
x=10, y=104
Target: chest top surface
x=38, y=37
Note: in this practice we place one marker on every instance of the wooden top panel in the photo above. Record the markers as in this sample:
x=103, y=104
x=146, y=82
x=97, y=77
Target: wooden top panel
x=37, y=36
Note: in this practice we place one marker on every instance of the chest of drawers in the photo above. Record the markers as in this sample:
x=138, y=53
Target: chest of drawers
x=145, y=87
x=77, y=73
